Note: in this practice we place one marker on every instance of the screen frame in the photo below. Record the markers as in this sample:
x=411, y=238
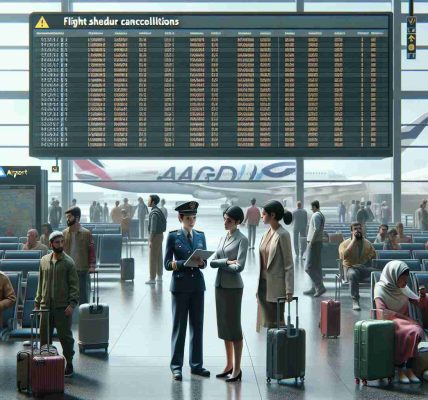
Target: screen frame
x=229, y=153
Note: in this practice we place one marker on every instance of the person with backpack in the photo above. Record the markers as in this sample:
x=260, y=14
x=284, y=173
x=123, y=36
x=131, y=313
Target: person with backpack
x=156, y=228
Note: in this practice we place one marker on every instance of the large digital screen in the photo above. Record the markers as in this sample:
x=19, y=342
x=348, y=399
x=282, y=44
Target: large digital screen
x=210, y=85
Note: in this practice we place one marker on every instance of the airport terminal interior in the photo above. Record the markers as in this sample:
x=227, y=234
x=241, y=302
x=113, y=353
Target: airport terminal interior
x=134, y=133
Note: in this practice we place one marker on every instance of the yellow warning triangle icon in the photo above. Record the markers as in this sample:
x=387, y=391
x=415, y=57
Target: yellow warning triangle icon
x=42, y=24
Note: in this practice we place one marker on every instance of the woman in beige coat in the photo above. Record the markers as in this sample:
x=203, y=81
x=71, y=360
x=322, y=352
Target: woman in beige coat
x=276, y=277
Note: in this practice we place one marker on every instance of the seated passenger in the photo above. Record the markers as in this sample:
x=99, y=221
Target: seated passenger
x=44, y=237
x=356, y=254
x=391, y=240
x=381, y=235
x=7, y=296
x=402, y=238
x=32, y=242
x=392, y=295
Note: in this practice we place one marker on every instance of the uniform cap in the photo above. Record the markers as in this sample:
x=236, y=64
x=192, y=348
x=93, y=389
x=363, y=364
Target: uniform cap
x=188, y=208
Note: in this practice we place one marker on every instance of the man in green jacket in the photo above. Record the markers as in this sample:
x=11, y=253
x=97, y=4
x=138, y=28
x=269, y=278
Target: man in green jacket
x=58, y=292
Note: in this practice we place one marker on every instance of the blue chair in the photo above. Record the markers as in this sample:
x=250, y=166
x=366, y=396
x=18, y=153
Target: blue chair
x=420, y=239
x=425, y=265
x=412, y=246
x=378, y=246
x=22, y=240
x=8, y=239
x=10, y=246
x=22, y=255
x=10, y=315
x=1, y=254
x=24, y=331
x=110, y=250
x=420, y=255
x=414, y=265
x=394, y=254
x=23, y=266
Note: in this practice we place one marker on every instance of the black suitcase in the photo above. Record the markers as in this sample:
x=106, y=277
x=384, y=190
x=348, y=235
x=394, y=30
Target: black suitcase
x=286, y=348
x=127, y=265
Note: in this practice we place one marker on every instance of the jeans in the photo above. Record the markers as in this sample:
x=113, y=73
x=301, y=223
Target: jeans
x=251, y=235
x=355, y=276
x=313, y=264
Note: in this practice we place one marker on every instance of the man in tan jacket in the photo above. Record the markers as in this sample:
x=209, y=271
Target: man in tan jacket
x=79, y=245
x=7, y=296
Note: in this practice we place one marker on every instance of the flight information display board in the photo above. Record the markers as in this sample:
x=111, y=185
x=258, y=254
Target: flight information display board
x=210, y=85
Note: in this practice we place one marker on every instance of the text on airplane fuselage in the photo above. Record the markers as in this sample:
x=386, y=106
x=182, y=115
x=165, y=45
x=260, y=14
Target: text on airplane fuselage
x=229, y=173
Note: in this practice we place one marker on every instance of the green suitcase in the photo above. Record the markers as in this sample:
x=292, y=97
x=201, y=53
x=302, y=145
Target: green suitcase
x=374, y=346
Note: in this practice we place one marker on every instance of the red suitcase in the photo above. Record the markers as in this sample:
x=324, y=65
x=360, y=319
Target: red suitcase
x=330, y=314
x=47, y=370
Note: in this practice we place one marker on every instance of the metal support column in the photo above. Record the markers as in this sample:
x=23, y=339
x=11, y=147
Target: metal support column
x=396, y=167
x=66, y=184
x=300, y=162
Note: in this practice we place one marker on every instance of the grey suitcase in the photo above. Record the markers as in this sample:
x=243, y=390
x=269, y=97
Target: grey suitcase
x=94, y=322
x=286, y=348
x=127, y=265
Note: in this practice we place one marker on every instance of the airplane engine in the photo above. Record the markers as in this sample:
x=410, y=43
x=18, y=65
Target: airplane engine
x=207, y=195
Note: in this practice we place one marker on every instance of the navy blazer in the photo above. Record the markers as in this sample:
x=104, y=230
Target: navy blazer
x=178, y=248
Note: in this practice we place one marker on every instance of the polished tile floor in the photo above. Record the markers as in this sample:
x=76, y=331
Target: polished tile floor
x=137, y=366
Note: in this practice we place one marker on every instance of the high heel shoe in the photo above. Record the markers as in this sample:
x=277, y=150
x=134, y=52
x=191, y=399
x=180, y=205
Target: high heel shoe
x=236, y=378
x=224, y=374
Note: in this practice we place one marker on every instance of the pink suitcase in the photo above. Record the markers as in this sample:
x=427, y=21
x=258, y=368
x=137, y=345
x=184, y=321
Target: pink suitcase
x=47, y=369
x=330, y=315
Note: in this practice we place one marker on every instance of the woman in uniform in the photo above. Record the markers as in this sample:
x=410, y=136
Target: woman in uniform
x=230, y=260
x=187, y=290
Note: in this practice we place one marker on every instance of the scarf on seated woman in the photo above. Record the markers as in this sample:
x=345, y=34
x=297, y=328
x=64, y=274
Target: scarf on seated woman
x=387, y=290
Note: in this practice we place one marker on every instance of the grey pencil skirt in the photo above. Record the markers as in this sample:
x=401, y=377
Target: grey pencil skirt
x=228, y=306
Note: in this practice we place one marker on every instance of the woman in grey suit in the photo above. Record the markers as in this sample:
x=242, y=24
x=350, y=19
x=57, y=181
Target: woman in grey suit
x=276, y=277
x=230, y=260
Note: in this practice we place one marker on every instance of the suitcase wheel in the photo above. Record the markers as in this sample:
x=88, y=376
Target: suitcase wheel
x=365, y=382
x=302, y=379
x=268, y=380
x=357, y=381
x=389, y=380
x=295, y=381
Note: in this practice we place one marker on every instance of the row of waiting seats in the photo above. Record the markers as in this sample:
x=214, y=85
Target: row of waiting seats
x=99, y=229
x=108, y=248
x=17, y=325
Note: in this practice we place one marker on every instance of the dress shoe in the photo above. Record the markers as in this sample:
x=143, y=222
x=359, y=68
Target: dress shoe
x=309, y=292
x=236, y=378
x=150, y=282
x=224, y=374
x=176, y=375
x=356, y=305
x=201, y=372
x=320, y=291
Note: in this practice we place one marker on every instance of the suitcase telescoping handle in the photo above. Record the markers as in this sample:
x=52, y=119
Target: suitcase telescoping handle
x=337, y=287
x=33, y=317
x=96, y=287
x=278, y=312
